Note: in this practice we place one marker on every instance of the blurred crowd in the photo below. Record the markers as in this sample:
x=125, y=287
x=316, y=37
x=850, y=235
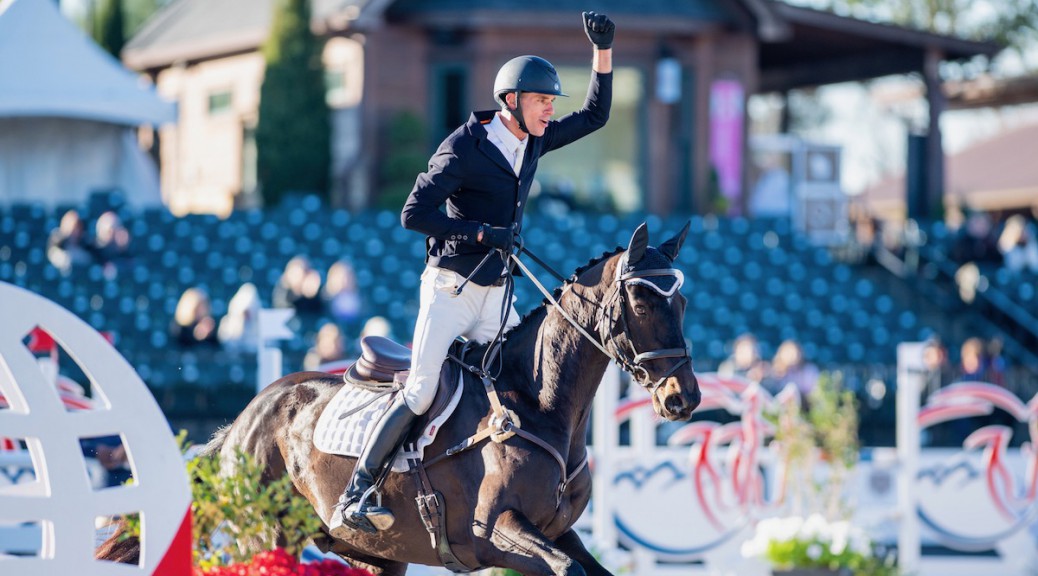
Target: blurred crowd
x=787, y=366
x=978, y=360
x=1012, y=243
x=328, y=307
x=72, y=245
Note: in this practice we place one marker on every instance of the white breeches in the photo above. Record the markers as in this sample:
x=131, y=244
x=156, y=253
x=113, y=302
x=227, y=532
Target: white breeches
x=474, y=314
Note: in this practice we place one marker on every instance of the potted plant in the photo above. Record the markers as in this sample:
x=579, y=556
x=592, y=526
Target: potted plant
x=819, y=446
x=814, y=546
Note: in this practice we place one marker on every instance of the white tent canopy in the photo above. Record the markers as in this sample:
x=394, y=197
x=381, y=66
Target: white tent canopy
x=68, y=112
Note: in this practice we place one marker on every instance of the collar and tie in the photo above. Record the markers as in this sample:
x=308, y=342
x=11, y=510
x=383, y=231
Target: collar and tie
x=512, y=148
x=518, y=154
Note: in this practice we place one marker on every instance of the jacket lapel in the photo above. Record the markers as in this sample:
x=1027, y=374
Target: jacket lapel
x=488, y=148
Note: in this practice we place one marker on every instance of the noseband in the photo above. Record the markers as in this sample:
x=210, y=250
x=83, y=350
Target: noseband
x=634, y=362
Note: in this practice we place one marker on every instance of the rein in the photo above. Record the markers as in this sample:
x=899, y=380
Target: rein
x=631, y=365
x=505, y=423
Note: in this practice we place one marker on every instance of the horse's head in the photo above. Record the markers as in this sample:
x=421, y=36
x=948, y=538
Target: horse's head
x=642, y=324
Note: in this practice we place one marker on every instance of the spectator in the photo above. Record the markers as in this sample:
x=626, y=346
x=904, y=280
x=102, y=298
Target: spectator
x=745, y=361
x=972, y=367
x=111, y=454
x=937, y=373
x=111, y=242
x=67, y=246
x=328, y=347
x=193, y=323
x=1018, y=245
x=790, y=367
x=377, y=326
x=341, y=295
x=937, y=370
x=996, y=373
x=968, y=279
x=976, y=241
x=239, y=329
x=299, y=287
x=971, y=361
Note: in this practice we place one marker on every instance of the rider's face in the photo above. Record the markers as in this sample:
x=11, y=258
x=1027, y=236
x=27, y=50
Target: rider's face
x=537, y=110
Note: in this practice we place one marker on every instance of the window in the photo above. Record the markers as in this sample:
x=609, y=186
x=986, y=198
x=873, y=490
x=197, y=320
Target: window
x=219, y=102
x=249, y=179
x=450, y=106
x=602, y=171
x=335, y=87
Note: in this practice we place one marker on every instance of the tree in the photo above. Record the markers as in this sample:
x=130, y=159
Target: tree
x=88, y=14
x=405, y=157
x=293, y=137
x=137, y=12
x=1013, y=23
x=110, y=27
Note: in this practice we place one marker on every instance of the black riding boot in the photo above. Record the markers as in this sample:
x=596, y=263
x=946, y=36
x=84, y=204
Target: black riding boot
x=354, y=510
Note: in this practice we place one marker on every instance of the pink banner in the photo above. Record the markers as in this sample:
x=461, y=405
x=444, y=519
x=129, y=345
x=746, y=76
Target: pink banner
x=727, y=109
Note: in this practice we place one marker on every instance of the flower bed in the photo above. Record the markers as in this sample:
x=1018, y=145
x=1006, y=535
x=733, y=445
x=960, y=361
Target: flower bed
x=278, y=562
x=809, y=543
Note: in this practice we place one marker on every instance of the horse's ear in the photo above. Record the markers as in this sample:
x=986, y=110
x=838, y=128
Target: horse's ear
x=639, y=242
x=671, y=247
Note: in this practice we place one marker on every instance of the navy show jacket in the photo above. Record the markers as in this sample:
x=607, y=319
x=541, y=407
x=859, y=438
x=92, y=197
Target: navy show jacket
x=478, y=185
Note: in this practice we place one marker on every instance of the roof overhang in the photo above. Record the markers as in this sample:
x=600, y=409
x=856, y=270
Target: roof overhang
x=825, y=48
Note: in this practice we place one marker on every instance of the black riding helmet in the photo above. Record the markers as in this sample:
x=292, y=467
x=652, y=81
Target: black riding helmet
x=526, y=74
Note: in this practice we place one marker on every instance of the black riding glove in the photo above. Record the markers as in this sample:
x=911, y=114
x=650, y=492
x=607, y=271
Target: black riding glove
x=599, y=29
x=495, y=237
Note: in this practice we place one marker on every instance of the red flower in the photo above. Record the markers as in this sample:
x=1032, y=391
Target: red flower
x=277, y=562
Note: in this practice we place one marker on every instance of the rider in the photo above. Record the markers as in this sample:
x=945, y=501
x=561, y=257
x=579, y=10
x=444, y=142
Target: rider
x=483, y=173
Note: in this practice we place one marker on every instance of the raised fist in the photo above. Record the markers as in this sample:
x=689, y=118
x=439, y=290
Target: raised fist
x=599, y=29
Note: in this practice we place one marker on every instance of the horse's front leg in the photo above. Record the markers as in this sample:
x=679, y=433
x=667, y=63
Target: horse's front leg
x=521, y=546
x=571, y=545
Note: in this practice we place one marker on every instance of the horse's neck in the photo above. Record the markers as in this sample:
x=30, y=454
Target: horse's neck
x=567, y=367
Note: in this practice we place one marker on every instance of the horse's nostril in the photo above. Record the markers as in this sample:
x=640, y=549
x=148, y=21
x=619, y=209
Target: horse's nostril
x=674, y=404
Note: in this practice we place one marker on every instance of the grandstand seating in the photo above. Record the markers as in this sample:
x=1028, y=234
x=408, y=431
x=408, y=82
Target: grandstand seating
x=755, y=276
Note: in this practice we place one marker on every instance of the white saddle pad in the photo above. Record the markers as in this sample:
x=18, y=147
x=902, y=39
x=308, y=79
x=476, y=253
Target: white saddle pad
x=346, y=436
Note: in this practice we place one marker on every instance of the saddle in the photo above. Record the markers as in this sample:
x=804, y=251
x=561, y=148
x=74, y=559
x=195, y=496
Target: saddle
x=383, y=365
x=381, y=359
x=382, y=368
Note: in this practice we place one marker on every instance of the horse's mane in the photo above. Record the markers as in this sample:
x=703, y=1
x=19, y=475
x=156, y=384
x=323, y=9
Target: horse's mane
x=536, y=314
x=534, y=317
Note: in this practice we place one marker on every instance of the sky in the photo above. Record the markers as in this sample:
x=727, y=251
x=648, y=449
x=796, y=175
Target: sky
x=74, y=9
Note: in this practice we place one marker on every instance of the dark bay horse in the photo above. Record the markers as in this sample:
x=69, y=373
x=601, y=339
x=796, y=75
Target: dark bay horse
x=501, y=506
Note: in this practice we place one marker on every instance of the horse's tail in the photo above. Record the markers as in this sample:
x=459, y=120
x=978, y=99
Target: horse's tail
x=121, y=546
x=216, y=442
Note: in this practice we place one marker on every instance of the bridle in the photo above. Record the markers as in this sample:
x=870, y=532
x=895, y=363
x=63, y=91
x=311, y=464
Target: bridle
x=634, y=361
x=504, y=423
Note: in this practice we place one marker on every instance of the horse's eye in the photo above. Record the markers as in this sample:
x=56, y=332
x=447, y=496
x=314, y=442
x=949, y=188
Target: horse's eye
x=640, y=309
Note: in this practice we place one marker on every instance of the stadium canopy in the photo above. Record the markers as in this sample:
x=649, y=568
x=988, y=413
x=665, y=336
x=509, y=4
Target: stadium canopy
x=69, y=112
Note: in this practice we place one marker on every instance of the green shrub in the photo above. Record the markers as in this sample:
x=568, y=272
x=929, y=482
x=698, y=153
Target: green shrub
x=237, y=514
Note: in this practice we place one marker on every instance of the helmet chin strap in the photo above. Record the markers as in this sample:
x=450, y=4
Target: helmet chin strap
x=517, y=112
